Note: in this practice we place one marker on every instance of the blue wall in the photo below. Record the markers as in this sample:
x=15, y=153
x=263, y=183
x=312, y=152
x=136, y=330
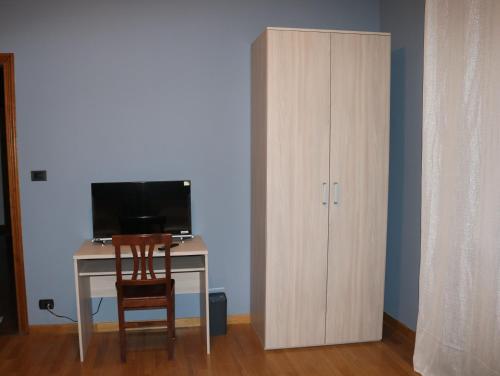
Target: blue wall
x=113, y=90
x=405, y=20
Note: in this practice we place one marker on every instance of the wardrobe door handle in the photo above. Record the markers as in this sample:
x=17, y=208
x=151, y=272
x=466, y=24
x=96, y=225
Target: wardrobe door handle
x=325, y=194
x=336, y=194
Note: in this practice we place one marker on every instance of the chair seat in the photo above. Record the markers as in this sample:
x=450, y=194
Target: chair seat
x=145, y=291
x=145, y=296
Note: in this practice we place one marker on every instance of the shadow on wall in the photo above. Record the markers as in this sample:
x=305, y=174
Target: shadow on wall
x=396, y=180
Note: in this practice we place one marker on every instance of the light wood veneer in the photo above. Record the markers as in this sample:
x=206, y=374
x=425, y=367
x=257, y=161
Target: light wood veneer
x=320, y=121
x=359, y=164
x=298, y=116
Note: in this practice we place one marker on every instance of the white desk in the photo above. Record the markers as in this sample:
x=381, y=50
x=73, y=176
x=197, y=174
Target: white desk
x=95, y=277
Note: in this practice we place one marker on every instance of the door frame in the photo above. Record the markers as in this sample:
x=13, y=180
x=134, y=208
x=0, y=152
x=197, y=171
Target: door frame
x=7, y=62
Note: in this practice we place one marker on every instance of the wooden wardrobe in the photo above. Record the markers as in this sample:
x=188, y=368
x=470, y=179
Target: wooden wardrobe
x=320, y=148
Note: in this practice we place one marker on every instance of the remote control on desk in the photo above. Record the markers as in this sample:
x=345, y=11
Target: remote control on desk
x=171, y=246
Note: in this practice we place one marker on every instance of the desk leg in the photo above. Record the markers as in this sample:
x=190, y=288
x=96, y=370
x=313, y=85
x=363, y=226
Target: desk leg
x=204, y=305
x=83, y=310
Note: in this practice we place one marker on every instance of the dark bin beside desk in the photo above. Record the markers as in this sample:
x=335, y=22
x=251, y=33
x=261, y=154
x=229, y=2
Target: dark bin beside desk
x=218, y=313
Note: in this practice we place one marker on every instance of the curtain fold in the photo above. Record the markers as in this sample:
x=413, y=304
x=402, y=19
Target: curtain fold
x=458, y=329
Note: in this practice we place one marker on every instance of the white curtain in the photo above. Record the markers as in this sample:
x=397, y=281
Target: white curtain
x=458, y=330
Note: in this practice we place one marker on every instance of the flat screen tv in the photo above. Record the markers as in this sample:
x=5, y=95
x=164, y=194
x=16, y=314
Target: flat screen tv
x=141, y=208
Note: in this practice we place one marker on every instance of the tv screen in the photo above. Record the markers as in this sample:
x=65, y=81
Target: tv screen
x=141, y=208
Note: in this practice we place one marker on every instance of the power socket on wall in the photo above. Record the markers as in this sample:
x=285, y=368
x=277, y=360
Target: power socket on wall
x=46, y=303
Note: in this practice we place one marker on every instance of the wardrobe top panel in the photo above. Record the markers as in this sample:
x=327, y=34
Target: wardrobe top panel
x=330, y=31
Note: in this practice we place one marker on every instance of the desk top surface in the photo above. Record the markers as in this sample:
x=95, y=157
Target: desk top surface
x=90, y=250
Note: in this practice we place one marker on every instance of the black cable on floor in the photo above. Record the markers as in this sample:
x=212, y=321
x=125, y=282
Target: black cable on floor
x=69, y=318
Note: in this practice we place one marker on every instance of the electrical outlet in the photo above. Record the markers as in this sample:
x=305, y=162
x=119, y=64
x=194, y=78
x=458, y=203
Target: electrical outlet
x=40, y=175
x=46, y=303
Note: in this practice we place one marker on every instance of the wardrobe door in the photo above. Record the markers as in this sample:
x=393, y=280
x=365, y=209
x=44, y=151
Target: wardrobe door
x=298, y=134
x=360, y=69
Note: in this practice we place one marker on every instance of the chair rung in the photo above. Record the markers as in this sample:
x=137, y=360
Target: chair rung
x=157, y=324
x=138, y=303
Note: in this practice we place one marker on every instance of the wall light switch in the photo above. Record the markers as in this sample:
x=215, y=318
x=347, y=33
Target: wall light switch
x=40, y=175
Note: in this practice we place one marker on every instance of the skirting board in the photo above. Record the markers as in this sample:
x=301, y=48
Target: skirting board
x=399, y=334
x=397, y=327
x=188, y=322
x=390, y=323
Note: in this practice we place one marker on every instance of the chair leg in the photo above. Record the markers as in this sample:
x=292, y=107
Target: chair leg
x=170, y=339
x=173, y=312
x=123, y=337
x=171, y=327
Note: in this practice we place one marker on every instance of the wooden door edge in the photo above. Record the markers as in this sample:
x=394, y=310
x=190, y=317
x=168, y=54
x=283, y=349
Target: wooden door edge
x=7, y=61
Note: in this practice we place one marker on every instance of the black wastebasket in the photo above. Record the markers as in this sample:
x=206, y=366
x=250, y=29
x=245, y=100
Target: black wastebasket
x=218, y=313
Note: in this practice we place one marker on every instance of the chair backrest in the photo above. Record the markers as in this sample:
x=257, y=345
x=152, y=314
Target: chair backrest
x=142, y=247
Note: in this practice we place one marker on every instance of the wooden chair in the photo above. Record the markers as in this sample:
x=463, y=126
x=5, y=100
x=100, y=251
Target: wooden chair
x=144, y=290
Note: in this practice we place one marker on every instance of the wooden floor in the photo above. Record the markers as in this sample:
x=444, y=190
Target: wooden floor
x=238, y=353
